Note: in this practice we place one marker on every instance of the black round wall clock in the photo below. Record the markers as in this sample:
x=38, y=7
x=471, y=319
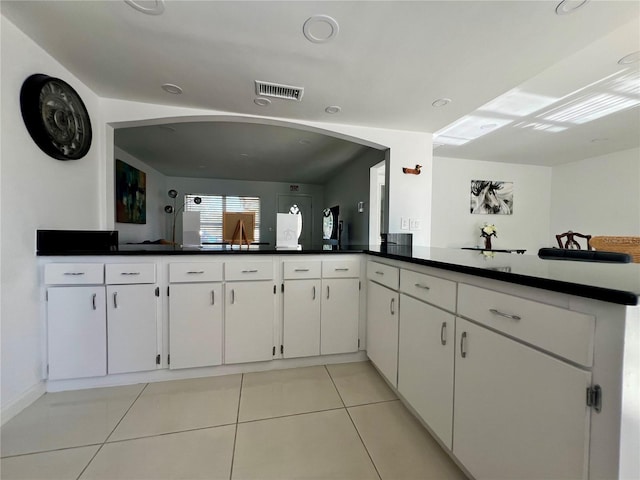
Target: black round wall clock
x=55, y=117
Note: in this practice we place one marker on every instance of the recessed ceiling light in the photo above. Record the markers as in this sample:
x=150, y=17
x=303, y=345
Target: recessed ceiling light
x=171, y=88
x=201, y=166
x=150, y=7
x=565, y=7
x=631, y=58
x=245, y=155
x=320, y=28
x=333, y=109
x=599, y=140
x=441, y=102
x=304, y=141
x=262, y=102
x=167, y=127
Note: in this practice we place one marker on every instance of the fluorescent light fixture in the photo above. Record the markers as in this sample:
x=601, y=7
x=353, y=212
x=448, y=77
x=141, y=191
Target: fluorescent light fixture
x=518, y=103
x=468, y=128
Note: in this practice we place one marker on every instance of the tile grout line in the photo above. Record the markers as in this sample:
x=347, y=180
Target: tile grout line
x=113, y=430
x=354, y=424
x=235, y=436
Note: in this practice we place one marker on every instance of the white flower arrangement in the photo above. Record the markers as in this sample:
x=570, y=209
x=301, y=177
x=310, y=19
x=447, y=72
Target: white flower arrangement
x=489, y=230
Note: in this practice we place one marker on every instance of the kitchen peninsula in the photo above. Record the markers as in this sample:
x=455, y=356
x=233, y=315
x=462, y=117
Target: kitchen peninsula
x=518, y=366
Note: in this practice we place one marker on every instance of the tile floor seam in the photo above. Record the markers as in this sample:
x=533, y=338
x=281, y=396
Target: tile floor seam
x=114, y=429
x=49, y=451
x=373, y=403
x=363, y=444
x=290, y=415
x=335, y=386
x=111, y=442
x=235, y=435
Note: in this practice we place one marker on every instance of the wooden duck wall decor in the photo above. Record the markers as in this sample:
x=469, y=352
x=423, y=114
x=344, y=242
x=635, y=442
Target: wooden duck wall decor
x=413, y=171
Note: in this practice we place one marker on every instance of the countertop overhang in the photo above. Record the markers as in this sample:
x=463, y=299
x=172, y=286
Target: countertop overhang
x=609, y=282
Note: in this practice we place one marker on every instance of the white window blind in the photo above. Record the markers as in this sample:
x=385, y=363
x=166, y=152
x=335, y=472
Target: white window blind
x=212, y=208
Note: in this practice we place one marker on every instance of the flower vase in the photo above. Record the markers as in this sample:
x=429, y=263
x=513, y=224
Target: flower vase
x=487, y=243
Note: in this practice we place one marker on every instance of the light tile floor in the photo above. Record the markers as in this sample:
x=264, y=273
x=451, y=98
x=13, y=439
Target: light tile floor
x=334, y=422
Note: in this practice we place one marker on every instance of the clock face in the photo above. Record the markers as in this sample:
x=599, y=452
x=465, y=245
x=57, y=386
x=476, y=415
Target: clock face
x=55, y=117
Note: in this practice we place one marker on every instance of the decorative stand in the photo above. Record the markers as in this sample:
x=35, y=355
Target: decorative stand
x=487, y=243
x=240, y=233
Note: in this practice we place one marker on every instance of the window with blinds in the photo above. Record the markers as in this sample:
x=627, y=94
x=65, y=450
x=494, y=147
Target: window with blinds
x=212, y=208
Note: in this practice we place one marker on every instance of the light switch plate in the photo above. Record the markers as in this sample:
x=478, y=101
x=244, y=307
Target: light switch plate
x=404, y=223
x=412, y=224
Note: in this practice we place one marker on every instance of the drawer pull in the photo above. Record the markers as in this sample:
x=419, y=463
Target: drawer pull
x=379, y=273
x=213, y=297
x=249, y=271
x=327, y=292
x=301, y=270
x=93, y=300
x=342, y=269
x=424, y=287
x=130, y=273
x=463, y=351
x=505, y=315
x=233, y=296
x=443, y=333
x=314, y=292
x=73, y=273
x=195, y=272
x=115, y=299
x=391, y=309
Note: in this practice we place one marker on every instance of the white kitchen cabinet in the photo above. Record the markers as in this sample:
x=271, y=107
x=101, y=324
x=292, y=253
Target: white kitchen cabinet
x=301, y=322
x=132, y=312
x=519, y=413
x=425, y=363
x=249, y=320
x=195, y=325
x=77, y=332
x=339, y=318
x=382, y=330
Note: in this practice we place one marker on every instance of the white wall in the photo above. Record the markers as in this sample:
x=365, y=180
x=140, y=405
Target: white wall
x=267, y=191
x=156, y=226
x=598, y=196
x=37, y=192
x=453, y=226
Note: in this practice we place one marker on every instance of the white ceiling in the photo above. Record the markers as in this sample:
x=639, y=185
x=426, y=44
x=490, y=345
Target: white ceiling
x=388, y=63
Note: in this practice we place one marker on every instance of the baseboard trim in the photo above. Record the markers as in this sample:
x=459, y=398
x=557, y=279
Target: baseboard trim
x=23, y=401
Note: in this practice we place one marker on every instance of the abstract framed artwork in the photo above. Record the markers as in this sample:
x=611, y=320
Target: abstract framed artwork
x=491, y=197
x=131, y=194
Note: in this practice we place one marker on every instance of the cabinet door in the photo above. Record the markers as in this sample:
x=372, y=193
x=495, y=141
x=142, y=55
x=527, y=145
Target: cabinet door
x=339, y=315
x=518, y=413
x=132, y=329
x=195, y=325
x=77, y=337
x=425, y=363
x=301, y=333
x=249, y=317
x=382, y=330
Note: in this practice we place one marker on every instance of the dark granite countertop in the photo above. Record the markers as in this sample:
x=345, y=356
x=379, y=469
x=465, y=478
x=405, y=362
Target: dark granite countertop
x=614, y=283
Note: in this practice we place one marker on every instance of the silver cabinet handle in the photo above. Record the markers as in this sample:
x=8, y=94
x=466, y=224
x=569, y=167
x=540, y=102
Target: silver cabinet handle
x=327, y=292
x=73, y=273
x=505, y=315
x=115, y=299
x=93, y=300
x=233, y=296
x=443, y=333
x=342, y=269
x=393, y=301
x=130, y=273
x=379, y=273
x=314, y=292
x=213, y=297
x=195, y=272
x=249, y=271
x=424, y=287
x=463, y=351
x=301, y=270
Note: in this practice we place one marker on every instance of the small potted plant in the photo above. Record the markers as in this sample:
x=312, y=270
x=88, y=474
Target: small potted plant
x=488, y=231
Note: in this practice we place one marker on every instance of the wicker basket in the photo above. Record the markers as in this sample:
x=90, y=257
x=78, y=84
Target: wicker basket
x=630, y=245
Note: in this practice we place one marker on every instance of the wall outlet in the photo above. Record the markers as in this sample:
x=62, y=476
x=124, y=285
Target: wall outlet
x=415, y=224
x=412, y=224
x=404, y=223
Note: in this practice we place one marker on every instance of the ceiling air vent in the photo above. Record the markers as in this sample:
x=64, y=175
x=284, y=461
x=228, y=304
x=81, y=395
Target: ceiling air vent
x=267, y=89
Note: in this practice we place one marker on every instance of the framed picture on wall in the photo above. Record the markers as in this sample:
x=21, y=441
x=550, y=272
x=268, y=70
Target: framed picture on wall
x=491, y=197
x=131, y=194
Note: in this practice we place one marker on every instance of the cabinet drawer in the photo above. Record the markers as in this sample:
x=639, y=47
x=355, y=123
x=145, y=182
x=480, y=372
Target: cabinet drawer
x=302, y=269
x=74, y=273
x=437, y=291
x=191, y=272
x=123, y=273
x=383, y=274
x=556, y=330
x=340, y=268
x=255, y=270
